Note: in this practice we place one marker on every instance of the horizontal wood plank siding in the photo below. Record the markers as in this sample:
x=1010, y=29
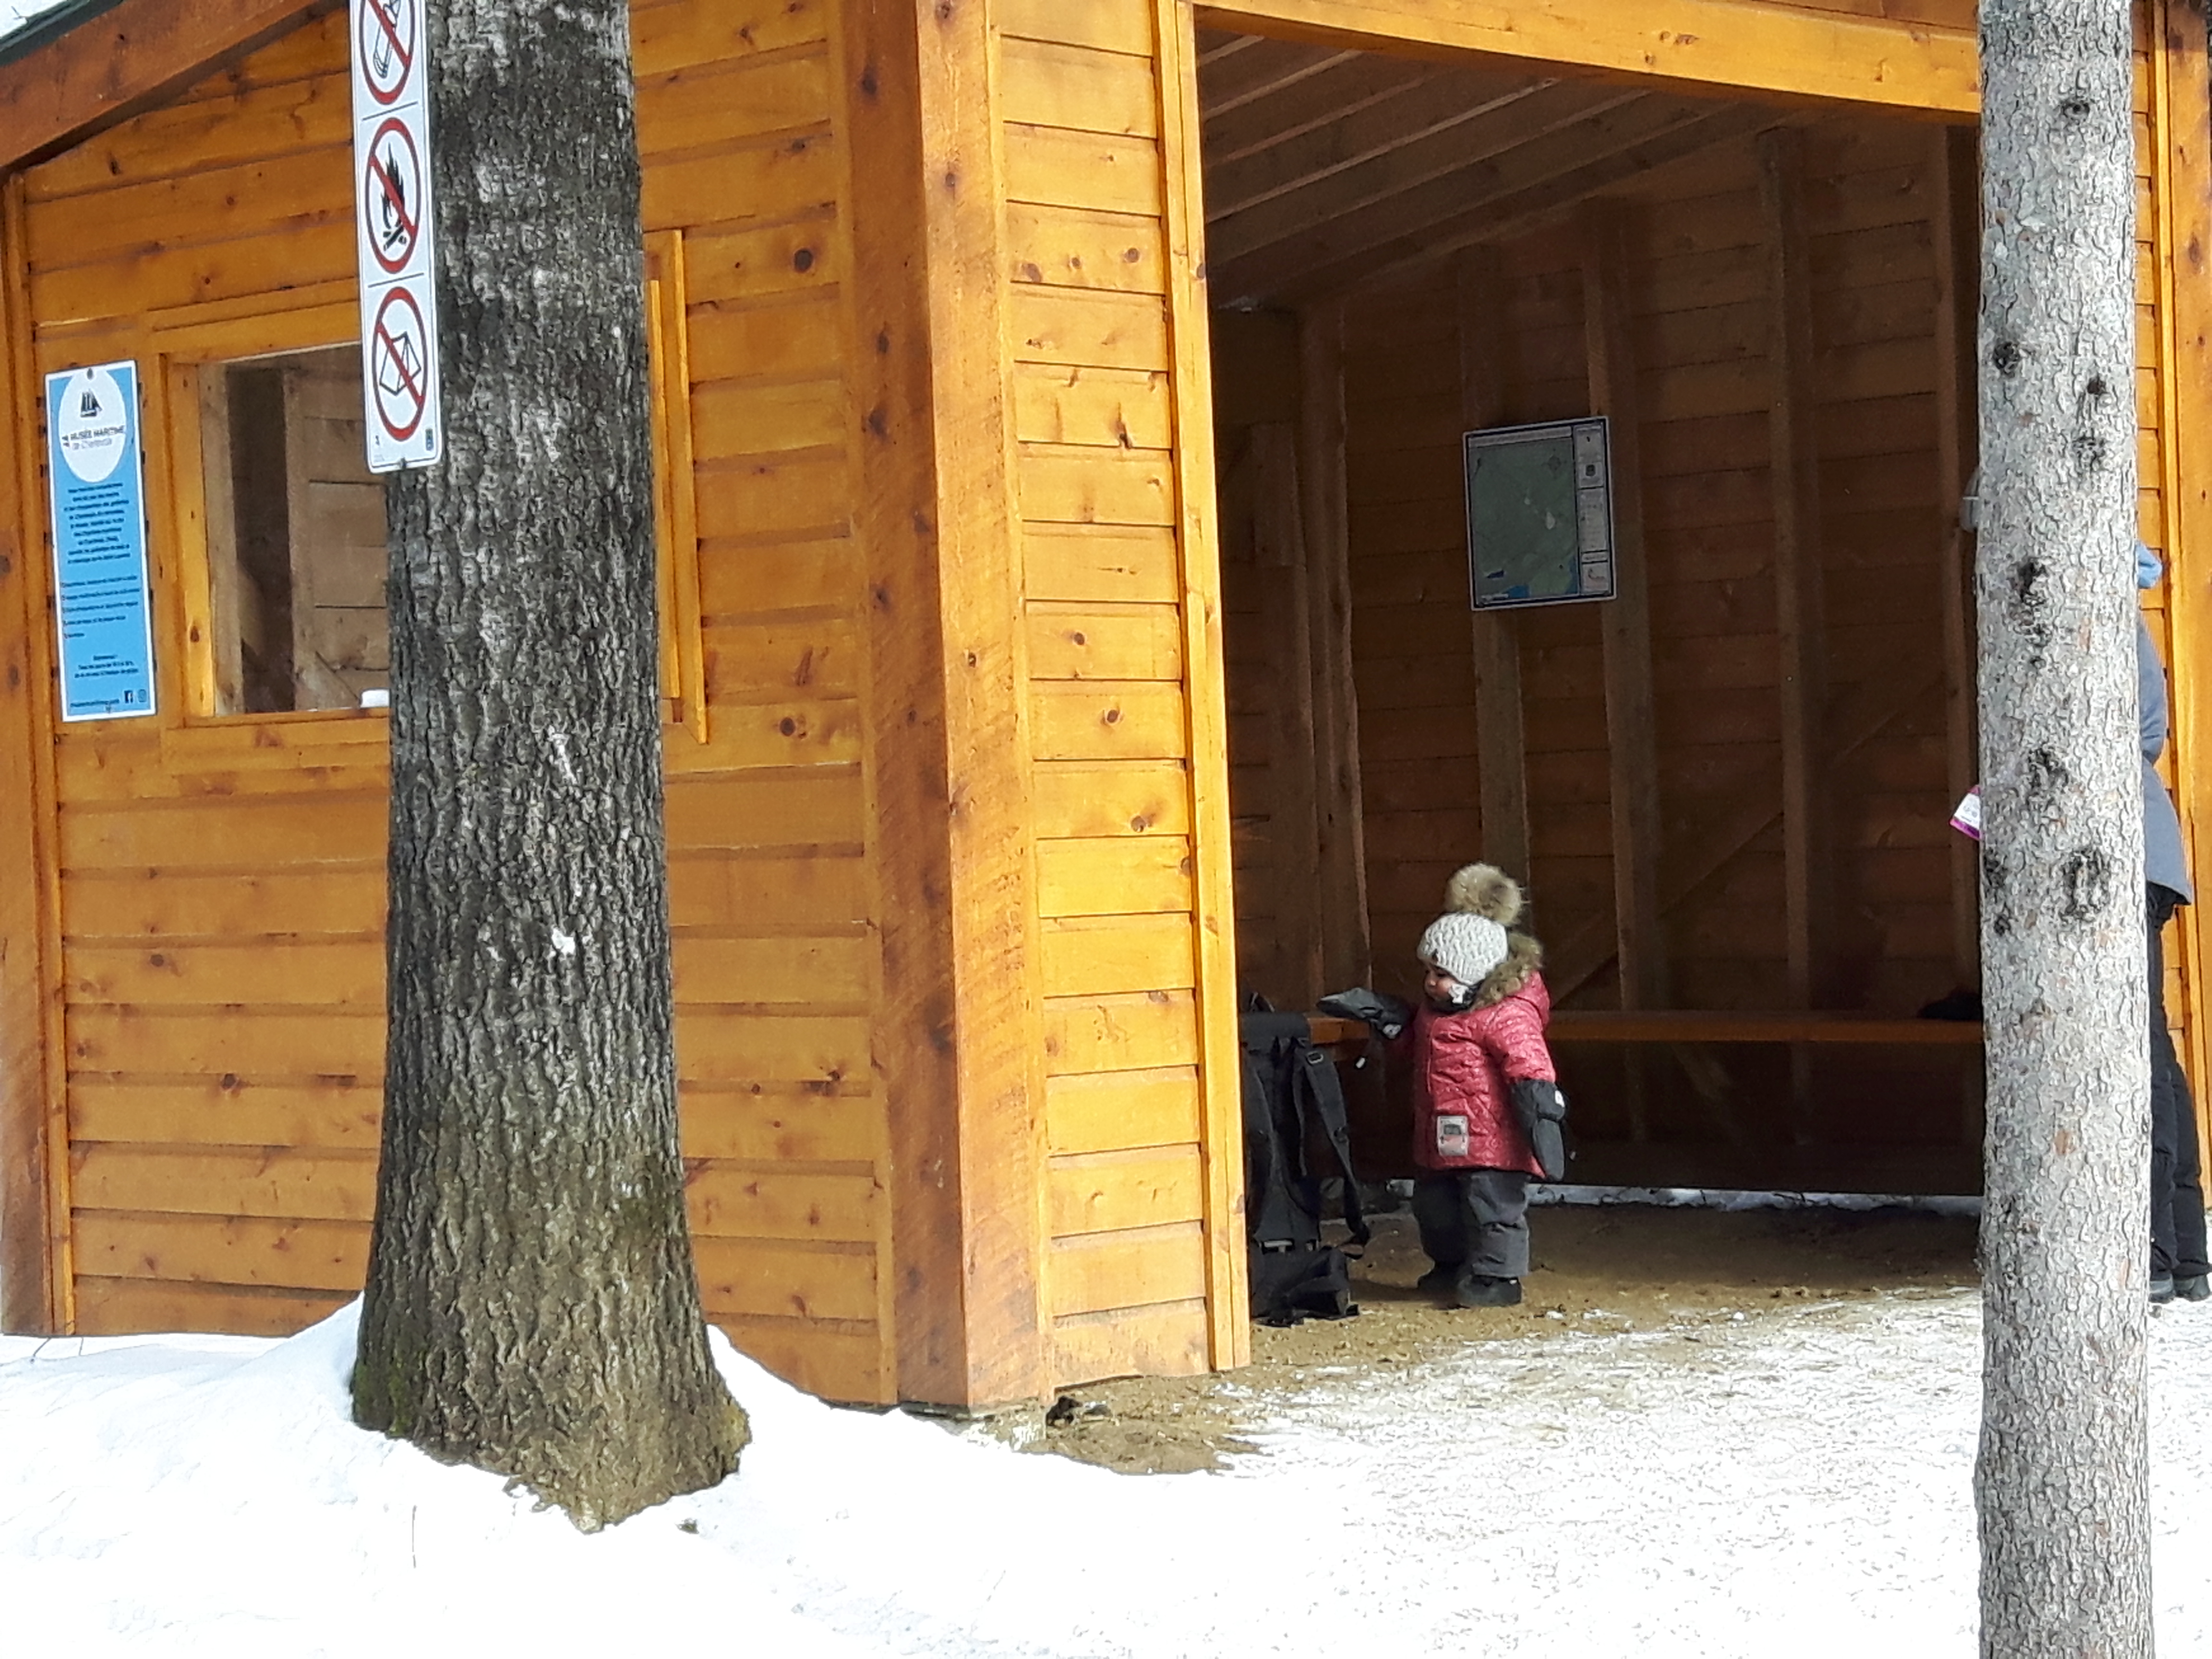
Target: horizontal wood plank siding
x=222, y=910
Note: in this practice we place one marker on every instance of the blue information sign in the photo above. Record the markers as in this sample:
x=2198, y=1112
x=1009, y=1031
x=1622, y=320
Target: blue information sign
x=95, y=462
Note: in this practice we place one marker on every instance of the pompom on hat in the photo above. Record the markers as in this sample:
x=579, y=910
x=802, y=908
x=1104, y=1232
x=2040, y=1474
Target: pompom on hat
x=1468, y=940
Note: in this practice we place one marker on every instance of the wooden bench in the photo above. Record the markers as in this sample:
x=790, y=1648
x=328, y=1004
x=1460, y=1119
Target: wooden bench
x=1709, y=1026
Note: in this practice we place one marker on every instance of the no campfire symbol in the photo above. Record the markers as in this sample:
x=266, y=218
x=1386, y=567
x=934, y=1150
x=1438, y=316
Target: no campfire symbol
x=392, y=196
x=394, y=228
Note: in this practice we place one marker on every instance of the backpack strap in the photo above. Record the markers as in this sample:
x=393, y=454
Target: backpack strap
x=1318, y=1085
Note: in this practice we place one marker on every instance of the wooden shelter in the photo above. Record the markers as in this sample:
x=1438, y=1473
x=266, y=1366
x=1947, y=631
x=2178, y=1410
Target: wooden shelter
x=997, y=760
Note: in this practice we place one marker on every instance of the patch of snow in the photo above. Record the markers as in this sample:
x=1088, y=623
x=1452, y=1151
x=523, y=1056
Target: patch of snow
x=1797, y=1481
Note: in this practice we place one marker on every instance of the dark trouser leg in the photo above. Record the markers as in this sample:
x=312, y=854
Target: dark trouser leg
x=1497, y=1222
x=1440, y=1214
x=2177, y=1193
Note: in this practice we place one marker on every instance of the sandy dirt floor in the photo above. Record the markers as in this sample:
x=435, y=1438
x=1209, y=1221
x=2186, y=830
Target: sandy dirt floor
x=1613, y=1269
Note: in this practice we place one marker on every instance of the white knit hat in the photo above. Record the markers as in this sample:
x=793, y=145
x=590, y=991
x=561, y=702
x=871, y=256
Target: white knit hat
x=1468, y=940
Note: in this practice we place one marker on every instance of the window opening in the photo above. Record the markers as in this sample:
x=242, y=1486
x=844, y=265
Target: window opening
x=296, y=566
x=295, y=535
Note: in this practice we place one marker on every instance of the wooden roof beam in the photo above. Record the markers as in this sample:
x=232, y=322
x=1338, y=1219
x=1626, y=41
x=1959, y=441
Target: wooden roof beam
x=1317, y=218
x=124, y=59
x=1533, y=156
x=1419, y=106
x=1346, y=86
x=1269, y=67
x=1770, y=49
x=1515, y=212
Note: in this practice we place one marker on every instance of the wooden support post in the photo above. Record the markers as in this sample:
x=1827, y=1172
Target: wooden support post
x=1293, y=817
x=1346, y=948
x=1955, y=217
x=37, y=1278
x=1793, y=463
x=2184, y=92
x=1175, y=38
x=1956, y=214
x=1625, y=619
x=959, y=1030
x=1502, y=749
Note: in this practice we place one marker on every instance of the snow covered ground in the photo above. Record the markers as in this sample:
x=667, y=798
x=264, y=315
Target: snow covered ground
x=1782, y=1480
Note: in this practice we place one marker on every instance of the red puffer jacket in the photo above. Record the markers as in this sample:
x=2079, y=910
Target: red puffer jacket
x=1465, y=1066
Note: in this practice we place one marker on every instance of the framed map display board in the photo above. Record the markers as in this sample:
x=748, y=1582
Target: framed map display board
x=1540, y=513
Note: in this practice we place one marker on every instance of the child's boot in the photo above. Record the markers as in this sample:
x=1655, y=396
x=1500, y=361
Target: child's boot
x=1479, y=1291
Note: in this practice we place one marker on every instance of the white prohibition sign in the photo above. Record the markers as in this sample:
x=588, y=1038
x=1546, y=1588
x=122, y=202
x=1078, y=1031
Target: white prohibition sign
x=391, y=196
x=389, y=39
x=400, y=365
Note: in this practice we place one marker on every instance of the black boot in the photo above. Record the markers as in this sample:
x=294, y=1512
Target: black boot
x=1479, y=1290
x=2193, y=1287
x=1439, y=1277
x=2161, y=1288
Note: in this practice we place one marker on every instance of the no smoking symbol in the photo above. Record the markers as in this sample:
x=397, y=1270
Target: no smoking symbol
x=391, y=189
x=390, y=35
x=399, y=361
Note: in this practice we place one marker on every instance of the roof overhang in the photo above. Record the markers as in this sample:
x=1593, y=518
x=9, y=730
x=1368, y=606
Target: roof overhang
x=92, y=63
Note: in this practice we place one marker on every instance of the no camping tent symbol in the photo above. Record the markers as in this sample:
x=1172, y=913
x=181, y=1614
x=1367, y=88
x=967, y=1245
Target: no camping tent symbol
x=389, y=38
x=400, y=365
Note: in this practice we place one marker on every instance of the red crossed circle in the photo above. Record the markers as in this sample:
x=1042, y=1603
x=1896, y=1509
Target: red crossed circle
x=387, y=35
x=399, y=364
x=391, y=195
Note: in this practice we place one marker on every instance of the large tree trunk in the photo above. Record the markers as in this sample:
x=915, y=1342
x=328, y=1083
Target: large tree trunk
x=531, y=1304
x=2061, y=1484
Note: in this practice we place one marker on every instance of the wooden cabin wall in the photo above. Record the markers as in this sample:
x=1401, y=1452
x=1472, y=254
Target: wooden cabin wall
x=223, y=887
x=1118, y=619
x=222, y=958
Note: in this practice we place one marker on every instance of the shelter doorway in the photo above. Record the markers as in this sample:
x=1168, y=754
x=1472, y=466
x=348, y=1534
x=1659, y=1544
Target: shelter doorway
x=1728, y=789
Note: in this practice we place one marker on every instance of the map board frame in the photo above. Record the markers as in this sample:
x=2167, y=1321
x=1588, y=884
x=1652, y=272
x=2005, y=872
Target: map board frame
x=1589, y=497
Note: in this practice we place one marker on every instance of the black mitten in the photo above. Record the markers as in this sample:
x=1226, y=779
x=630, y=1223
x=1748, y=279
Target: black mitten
x=1380, y=1012
x=1542, y=1111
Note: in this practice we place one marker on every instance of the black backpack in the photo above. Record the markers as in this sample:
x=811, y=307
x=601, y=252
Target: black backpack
x=1290, y=1087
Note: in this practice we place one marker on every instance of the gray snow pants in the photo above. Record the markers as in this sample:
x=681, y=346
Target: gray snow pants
x=2177, y=1190
x=1476, y=1220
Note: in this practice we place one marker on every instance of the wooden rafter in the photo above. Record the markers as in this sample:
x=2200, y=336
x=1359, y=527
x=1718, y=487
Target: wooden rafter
x=1234, y=80
x=1413, y=107
x=1402, y=188
x=1511, y=213
x=1314, y=104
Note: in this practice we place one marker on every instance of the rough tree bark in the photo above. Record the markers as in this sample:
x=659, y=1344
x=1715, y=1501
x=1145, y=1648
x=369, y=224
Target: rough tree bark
x=2062, y=1484
x=531, y=1304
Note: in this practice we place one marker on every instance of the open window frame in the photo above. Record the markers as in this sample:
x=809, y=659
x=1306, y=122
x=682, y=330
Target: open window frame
x=181, y=351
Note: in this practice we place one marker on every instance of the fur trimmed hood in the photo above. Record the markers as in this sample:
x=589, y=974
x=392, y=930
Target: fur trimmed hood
x=1524, y=958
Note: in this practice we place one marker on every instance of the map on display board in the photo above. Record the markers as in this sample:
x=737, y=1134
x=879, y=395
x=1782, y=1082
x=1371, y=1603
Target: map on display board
x=1540, y=513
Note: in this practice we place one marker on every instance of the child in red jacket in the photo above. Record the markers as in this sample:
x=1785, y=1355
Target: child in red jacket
x=1478, y=1041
